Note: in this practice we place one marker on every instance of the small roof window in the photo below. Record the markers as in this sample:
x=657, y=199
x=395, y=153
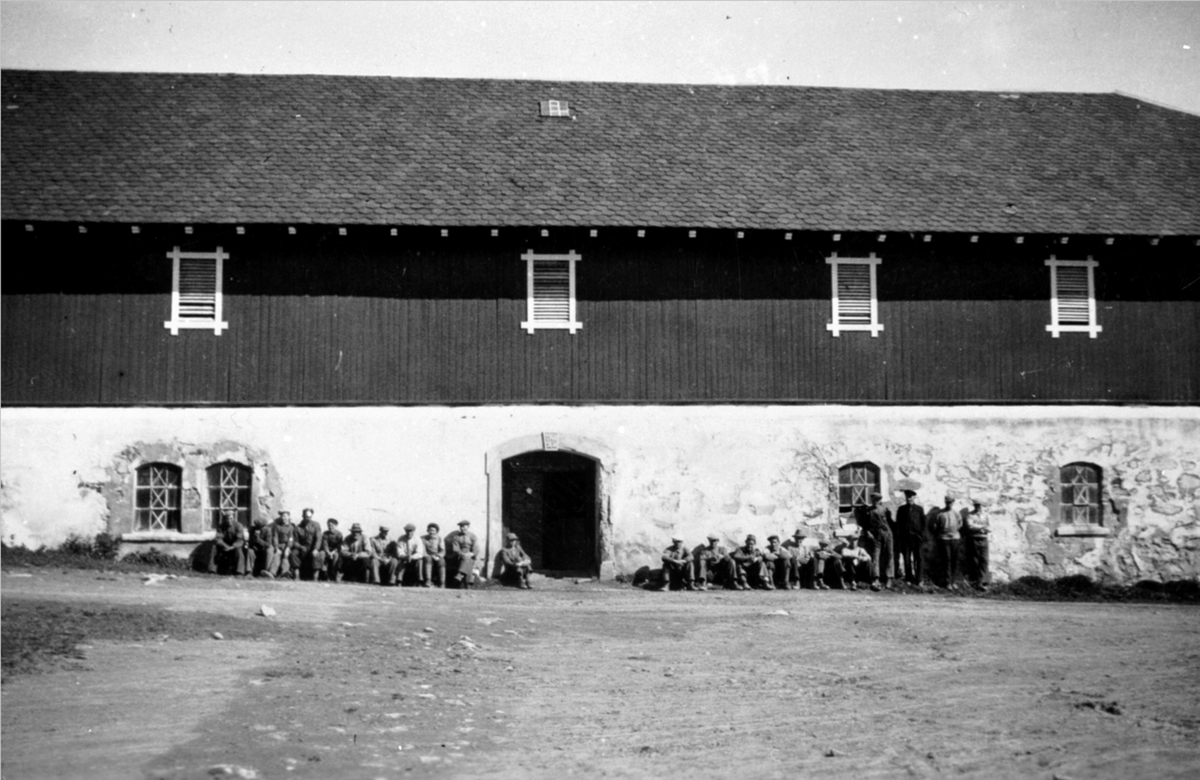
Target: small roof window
x=555, y=108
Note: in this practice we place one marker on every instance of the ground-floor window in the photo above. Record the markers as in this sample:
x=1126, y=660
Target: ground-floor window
x=157, y=499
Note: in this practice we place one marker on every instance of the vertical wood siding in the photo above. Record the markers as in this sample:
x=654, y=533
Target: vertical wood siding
x=323, y=319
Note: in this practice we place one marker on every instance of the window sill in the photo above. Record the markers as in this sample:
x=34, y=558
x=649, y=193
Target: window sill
x=167, y=536
x=213, y=325
x=1082, y=530
x=571, y=327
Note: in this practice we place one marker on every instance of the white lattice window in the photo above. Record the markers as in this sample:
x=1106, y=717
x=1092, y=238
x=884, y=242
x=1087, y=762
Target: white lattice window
x=156, y=504
x=855, y=303
x=196, y=298
x=1072, y=297
x=1081, y=504
x=555, y=108
x=550, y=291
x=856, y=483
x=228, y=488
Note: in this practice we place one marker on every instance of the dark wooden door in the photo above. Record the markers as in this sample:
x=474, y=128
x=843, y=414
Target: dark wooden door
x=550, y=503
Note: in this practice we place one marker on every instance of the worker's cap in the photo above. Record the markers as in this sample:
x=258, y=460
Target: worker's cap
x=948, y=498
x=676, y=538
x=462, y=523
x=910, y=493
x=976, y=502
x=356, y=528
x=799, y=534
x=511, y=535
x=714, y=538
x=383, y=529
x=333, y=521
x=751, y=538
x=409, y=527
x=772, y=538
x=876, y=496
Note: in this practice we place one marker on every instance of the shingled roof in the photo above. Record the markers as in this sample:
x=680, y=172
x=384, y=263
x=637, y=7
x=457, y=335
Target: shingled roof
x=188, y=148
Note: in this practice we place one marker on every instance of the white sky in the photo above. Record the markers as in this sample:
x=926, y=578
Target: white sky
x=1148, y=49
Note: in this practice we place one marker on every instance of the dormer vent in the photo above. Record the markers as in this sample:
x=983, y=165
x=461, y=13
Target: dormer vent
x=556, y=108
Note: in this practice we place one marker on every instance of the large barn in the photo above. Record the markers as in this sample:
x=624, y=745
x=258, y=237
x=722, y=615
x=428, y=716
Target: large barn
x=600, y=314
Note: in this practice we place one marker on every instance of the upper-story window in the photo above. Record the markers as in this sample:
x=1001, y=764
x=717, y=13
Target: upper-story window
x=559, y=108
x=856, y=483
x=855, y=301
x=228, y=488
x=1072, y=297
x=1080, y=502
x=156, y=503
x=196, y=297
x=550, y=291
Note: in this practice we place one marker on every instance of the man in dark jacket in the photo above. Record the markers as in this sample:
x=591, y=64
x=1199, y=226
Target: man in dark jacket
x=283, y=539
x=677, y=570
x=876, y=539
x=305, y=557
x=462, y=551
x=515, y=565
x=228, y=548
x=356, y=555
x=751, y=569
x=330, y=552
x=713, y=566
x=908, y=538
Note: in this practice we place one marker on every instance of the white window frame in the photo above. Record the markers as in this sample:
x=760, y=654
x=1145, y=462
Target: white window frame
x=216, y=324
x=571, y=324
x=838, y=325
x=1056, y=327
x=556, y=108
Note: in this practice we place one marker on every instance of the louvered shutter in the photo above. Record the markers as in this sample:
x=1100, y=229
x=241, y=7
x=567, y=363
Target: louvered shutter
x=855, y=302
x=1072, y=297
x=196, y=291
x=550, y=295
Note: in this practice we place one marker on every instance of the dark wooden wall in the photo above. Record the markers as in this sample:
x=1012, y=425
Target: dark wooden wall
x=416, y=318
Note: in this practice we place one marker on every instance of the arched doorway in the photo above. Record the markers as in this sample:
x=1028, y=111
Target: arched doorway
x=550, y=501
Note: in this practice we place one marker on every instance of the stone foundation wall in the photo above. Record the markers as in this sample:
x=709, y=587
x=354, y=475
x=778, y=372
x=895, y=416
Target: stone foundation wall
x=688, y=470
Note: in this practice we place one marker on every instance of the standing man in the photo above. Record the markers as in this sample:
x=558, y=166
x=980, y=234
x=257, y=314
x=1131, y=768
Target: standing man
x=381, y=561
x=514, y=563
x=751, y=569
x=406, y=555
x=330, y=552
x=227, y=548
x=356, y=555
x=977, y=528
x=910, y=534
x=877, y=540
x=713, y=565
x=433, y=564
x=305, y=559
x=677, y=568
x=946, y=526
x=462, y=551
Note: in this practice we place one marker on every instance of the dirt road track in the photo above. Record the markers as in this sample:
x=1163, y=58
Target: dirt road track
x=605, y=681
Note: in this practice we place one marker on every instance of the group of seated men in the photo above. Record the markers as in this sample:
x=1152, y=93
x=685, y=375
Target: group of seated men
x=306, y=552
x=873, y=554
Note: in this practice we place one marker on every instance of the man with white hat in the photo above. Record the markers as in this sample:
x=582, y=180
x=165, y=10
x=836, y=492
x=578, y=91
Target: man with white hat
x=677, y=571
x=462, y=550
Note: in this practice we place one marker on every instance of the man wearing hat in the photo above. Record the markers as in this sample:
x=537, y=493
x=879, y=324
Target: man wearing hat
x=405, y=556
x=227, y=554
x=677, y=571
x=713, y=565
x=801, y=558
x=909, y=536
x=778, y=560
x=330, y=552
x=356, y=555
x=515, y=565
x=433, y=562
x=305, y=551
x=851, y=562
x=462, y=550
x=946, y=526
x=381, y=561
x=751, y=570
x=282, y=538
x=975, y=532
x=877, y=540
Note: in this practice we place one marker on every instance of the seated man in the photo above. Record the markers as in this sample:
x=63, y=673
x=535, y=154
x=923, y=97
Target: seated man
x=822, y=557
x=282, y=534
x=227, y=549
x=779, y=563
x=803, y=562
x=406, y=554
x=515, y=565
x=713, y=565
x=382, y=568
x=262, y=550
x=356, y=556
x=305, y=558
x=462, y=551
x=329, y=553
x=854, y=563
x=751, y=569
x=677, y=569
x=433, y=562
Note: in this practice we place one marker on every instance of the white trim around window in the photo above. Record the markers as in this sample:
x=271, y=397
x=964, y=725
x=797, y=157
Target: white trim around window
x=1072, y=297
x=196, y=291
x=550, y=292
x=855, y=300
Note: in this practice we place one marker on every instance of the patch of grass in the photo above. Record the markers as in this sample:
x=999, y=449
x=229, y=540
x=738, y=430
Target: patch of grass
x=79, y=553
x=1078, y=587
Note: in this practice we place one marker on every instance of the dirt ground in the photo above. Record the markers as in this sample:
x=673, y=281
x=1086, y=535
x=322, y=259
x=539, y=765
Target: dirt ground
x=587, y=680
